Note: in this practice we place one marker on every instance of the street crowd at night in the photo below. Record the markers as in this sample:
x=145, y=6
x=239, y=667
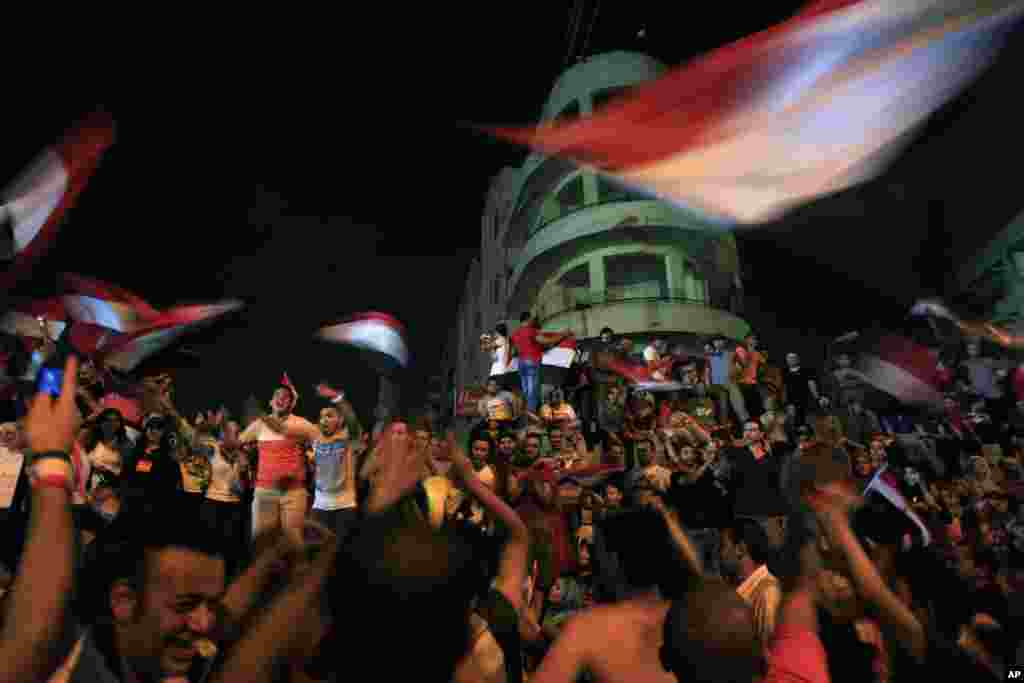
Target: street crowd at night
x=688, y=501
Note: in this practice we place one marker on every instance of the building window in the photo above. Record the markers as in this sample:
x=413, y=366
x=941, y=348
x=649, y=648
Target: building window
x=571, y=111
x=635, y=276
x=601, y=98
x=570, y=291
x=569, y=198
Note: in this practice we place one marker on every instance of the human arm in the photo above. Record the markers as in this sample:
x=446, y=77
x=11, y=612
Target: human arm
x=680, y=541
x=831, y=505
x=298, y=428
x=35, y=611
x=812, y=385
x=252, y=432
x=512, y=567
x=282, y=631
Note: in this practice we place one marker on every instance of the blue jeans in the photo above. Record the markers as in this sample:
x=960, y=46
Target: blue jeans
x=529, y=378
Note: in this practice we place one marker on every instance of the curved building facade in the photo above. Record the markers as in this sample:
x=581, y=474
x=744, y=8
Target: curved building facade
x=585, y=253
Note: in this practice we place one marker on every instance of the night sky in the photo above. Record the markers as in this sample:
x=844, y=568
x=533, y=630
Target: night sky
x=319, y=165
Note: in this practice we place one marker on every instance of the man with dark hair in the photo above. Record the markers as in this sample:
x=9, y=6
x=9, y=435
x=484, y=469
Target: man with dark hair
x=153, y=591
x=746, y=555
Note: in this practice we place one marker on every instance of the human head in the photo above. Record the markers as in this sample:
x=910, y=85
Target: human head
x=792, y=360
x=481, y=448
x=745, y=547
x=533, y=446
x=506, y=444
x=607, y=334
x=111, y=424
x=9, y=435
x=752, y=431
x=502, y=329
x=330, y=420
x=406, y=571
x=492, y=387
x=282, y=402
x=710, y=635
x=160, y=587
x=525, y=317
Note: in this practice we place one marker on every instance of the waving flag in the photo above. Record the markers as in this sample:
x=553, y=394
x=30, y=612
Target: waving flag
x=377, y=332
x=810, y=107
x=87, y=290
x=887, y=485
x=903, y=369
x=126, y=352
x=33, y=206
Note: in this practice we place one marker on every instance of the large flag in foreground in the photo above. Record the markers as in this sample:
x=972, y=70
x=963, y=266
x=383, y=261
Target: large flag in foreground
x=126, y=352
x=810, y=107
x=376, y=332
x=32, y=207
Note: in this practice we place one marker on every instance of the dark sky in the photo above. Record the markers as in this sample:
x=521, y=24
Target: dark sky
x=314, y=165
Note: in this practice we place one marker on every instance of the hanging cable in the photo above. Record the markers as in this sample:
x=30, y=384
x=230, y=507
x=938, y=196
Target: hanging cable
x=590, y=30
x=574, y=29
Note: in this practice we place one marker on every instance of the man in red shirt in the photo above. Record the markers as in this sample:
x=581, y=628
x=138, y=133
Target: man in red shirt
x=529, y=343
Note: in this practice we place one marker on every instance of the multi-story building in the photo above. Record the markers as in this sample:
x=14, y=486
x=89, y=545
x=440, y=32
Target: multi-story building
x=991, y=283
x=585, y=253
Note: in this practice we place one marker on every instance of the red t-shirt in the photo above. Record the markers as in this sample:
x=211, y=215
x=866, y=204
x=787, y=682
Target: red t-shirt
x=796, y=656
x=525, y=341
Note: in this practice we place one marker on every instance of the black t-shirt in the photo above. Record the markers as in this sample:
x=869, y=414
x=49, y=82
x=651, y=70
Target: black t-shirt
x=149, y=475
x=757, y=484
x=797, y=391
x=702, y=504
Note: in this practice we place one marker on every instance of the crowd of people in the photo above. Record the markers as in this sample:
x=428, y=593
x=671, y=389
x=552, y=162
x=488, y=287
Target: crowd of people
x=749, y=523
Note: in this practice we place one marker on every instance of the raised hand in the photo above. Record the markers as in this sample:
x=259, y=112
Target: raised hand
x=51, y=423
x=395, y=470
x=324, y=390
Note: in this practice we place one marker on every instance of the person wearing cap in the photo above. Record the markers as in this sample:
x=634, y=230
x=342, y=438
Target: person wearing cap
x=151, y=475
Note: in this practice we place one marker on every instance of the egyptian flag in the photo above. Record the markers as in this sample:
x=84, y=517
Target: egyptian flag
x=886, y=487
x=636, y=374
x=32, y=207
x=126, y=352
x=904, y=370
x=102, y=304
x=371, y=331
x=806, y=108
x=589, y=476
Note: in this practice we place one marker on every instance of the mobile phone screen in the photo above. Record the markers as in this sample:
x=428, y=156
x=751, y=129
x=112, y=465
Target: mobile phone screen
x=51, y=380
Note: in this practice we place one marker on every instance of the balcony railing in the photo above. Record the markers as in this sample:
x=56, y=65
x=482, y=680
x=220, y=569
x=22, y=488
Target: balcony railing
x=537, y=223
x=580, y=300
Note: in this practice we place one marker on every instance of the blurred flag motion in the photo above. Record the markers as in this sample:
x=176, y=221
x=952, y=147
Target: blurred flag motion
x=807, y=108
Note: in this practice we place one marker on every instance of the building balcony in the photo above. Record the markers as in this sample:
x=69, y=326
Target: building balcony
x=638, y=314
x=599, y=247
